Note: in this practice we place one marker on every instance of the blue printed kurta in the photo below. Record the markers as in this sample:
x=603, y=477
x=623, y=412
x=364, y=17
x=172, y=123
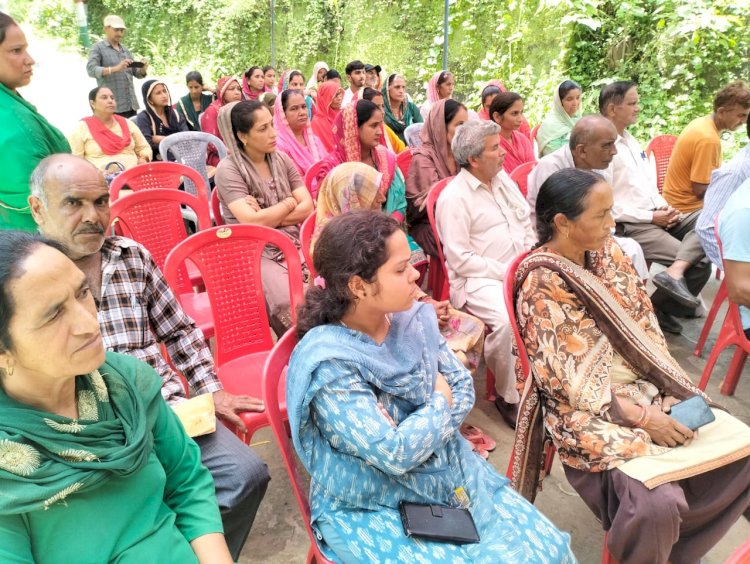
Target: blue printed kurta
x=363, y=463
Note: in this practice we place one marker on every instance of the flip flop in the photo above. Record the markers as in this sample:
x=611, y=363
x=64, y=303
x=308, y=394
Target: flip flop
x=478, y=437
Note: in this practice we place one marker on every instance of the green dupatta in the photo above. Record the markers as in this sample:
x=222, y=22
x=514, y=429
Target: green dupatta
x=44, y=457
x=26, y=137
x=186, y=109
x=411, y=114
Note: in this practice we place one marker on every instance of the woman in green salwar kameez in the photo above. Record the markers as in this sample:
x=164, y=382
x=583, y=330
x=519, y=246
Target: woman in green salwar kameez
x=26, y=137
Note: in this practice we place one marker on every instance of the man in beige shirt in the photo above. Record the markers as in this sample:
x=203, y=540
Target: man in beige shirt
x=483, y=223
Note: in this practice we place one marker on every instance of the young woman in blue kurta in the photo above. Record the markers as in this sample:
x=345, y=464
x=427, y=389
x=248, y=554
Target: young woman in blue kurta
x=375, y=402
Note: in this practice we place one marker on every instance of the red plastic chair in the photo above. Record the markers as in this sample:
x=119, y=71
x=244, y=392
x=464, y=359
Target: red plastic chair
x=305, y=238
x=229, y=258
x=741, y=555
x=520, y=175
x=158, y=175
x=403, y=160
x=535, y=131
x=311, y=182
x=154, y=219
x=661, y=148
x=510, y=304
x=216, y=208
x=439, y=272
x=721, y=296
x=274, y=375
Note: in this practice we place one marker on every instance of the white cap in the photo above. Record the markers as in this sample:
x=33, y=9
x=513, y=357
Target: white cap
x=115, y=22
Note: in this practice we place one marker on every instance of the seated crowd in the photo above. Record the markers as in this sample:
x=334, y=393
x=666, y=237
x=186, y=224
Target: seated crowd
x=382, y=379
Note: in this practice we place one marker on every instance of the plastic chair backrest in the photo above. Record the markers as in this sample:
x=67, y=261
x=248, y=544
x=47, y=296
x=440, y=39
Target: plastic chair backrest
x=311, y=182
x=158, y=175
x=403, y=160
x=274, y=370
x=741, y=555
x=305, y=239
x=520, y=175
x=216, y=207
x=190, y=148
x=661, y=148
x=432, y=198
x=412, y=135
x=510, y=306
x=154, y=219
x=229, y=261
x=535, y=131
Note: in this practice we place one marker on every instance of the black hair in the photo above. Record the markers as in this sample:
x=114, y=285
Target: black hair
x=488, y=91
x=286, y=94
x=94, y=91
x=243, y=117
x=614, y=93
x=565, y=88
x=268, y=68
x=748, y=126
x=391, y=78
x=502, y=103
x=565, y=192
x=451, y=109
x=351, y=244
x=354, y=65
x=332, y=73
x=249, y=72
x=365, y=110
x=370, y=93
x=5, y=22
x=444, y=76
x=293, y=74
x=15, y=247
x=194, y=75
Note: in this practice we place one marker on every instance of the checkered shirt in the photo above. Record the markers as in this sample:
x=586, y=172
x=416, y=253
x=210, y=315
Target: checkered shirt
x=138, y=310
x=102, y=56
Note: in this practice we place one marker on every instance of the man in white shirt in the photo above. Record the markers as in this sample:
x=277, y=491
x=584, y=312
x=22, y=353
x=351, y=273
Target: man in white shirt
x=355, y=74
x=483, y=223
x=591, y=147
x=666, y=236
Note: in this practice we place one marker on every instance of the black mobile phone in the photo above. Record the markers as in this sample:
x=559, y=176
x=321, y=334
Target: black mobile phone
x=693, y=412
x=137, y=65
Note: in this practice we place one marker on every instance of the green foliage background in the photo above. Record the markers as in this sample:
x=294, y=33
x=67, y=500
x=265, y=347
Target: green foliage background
x=679, y=51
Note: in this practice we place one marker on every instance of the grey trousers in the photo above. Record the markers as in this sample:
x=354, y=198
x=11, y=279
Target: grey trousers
x=666, y=246
x=240, y=478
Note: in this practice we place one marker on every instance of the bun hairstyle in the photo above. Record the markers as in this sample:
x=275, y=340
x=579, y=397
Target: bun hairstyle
x=564, y=192
x=351, y=244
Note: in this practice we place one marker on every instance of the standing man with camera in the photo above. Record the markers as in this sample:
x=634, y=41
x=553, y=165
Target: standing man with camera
x=113, y=66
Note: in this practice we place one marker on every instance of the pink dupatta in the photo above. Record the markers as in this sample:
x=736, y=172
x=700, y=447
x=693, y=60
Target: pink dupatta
x=304, y=156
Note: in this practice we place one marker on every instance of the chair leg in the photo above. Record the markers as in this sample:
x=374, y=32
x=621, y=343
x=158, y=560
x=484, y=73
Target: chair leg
x=734, y=371
x=490, y=385
x=719, y=299
x=720, y=345
x=606, y=556
x=549, y=459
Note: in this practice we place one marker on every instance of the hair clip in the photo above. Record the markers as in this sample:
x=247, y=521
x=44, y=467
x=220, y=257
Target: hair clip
x=320, y=282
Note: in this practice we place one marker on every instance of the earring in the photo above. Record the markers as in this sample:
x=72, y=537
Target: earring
x=567, y=234
x=10, y=368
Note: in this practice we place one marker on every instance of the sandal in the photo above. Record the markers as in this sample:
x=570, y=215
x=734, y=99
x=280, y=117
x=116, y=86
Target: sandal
x=478, y=438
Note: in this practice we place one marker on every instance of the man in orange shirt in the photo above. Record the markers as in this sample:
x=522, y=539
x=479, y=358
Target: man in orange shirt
x=698, y=149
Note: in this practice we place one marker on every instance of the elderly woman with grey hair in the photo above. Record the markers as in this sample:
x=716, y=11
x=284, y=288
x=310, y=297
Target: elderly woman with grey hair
x=484, y=223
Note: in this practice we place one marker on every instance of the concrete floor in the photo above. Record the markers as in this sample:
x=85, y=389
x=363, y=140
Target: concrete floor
x=279, y=536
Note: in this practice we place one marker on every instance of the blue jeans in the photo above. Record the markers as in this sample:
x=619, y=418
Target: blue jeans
x=240, y=478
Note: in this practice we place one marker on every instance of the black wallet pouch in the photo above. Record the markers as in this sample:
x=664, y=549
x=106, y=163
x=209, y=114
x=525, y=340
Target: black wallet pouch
x=693, y=412
x=438, y=522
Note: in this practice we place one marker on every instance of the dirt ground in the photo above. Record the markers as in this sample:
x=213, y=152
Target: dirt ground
x=59, y=90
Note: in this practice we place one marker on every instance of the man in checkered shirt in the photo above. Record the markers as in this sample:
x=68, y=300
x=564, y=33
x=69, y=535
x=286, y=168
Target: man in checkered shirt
x=137, y=311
